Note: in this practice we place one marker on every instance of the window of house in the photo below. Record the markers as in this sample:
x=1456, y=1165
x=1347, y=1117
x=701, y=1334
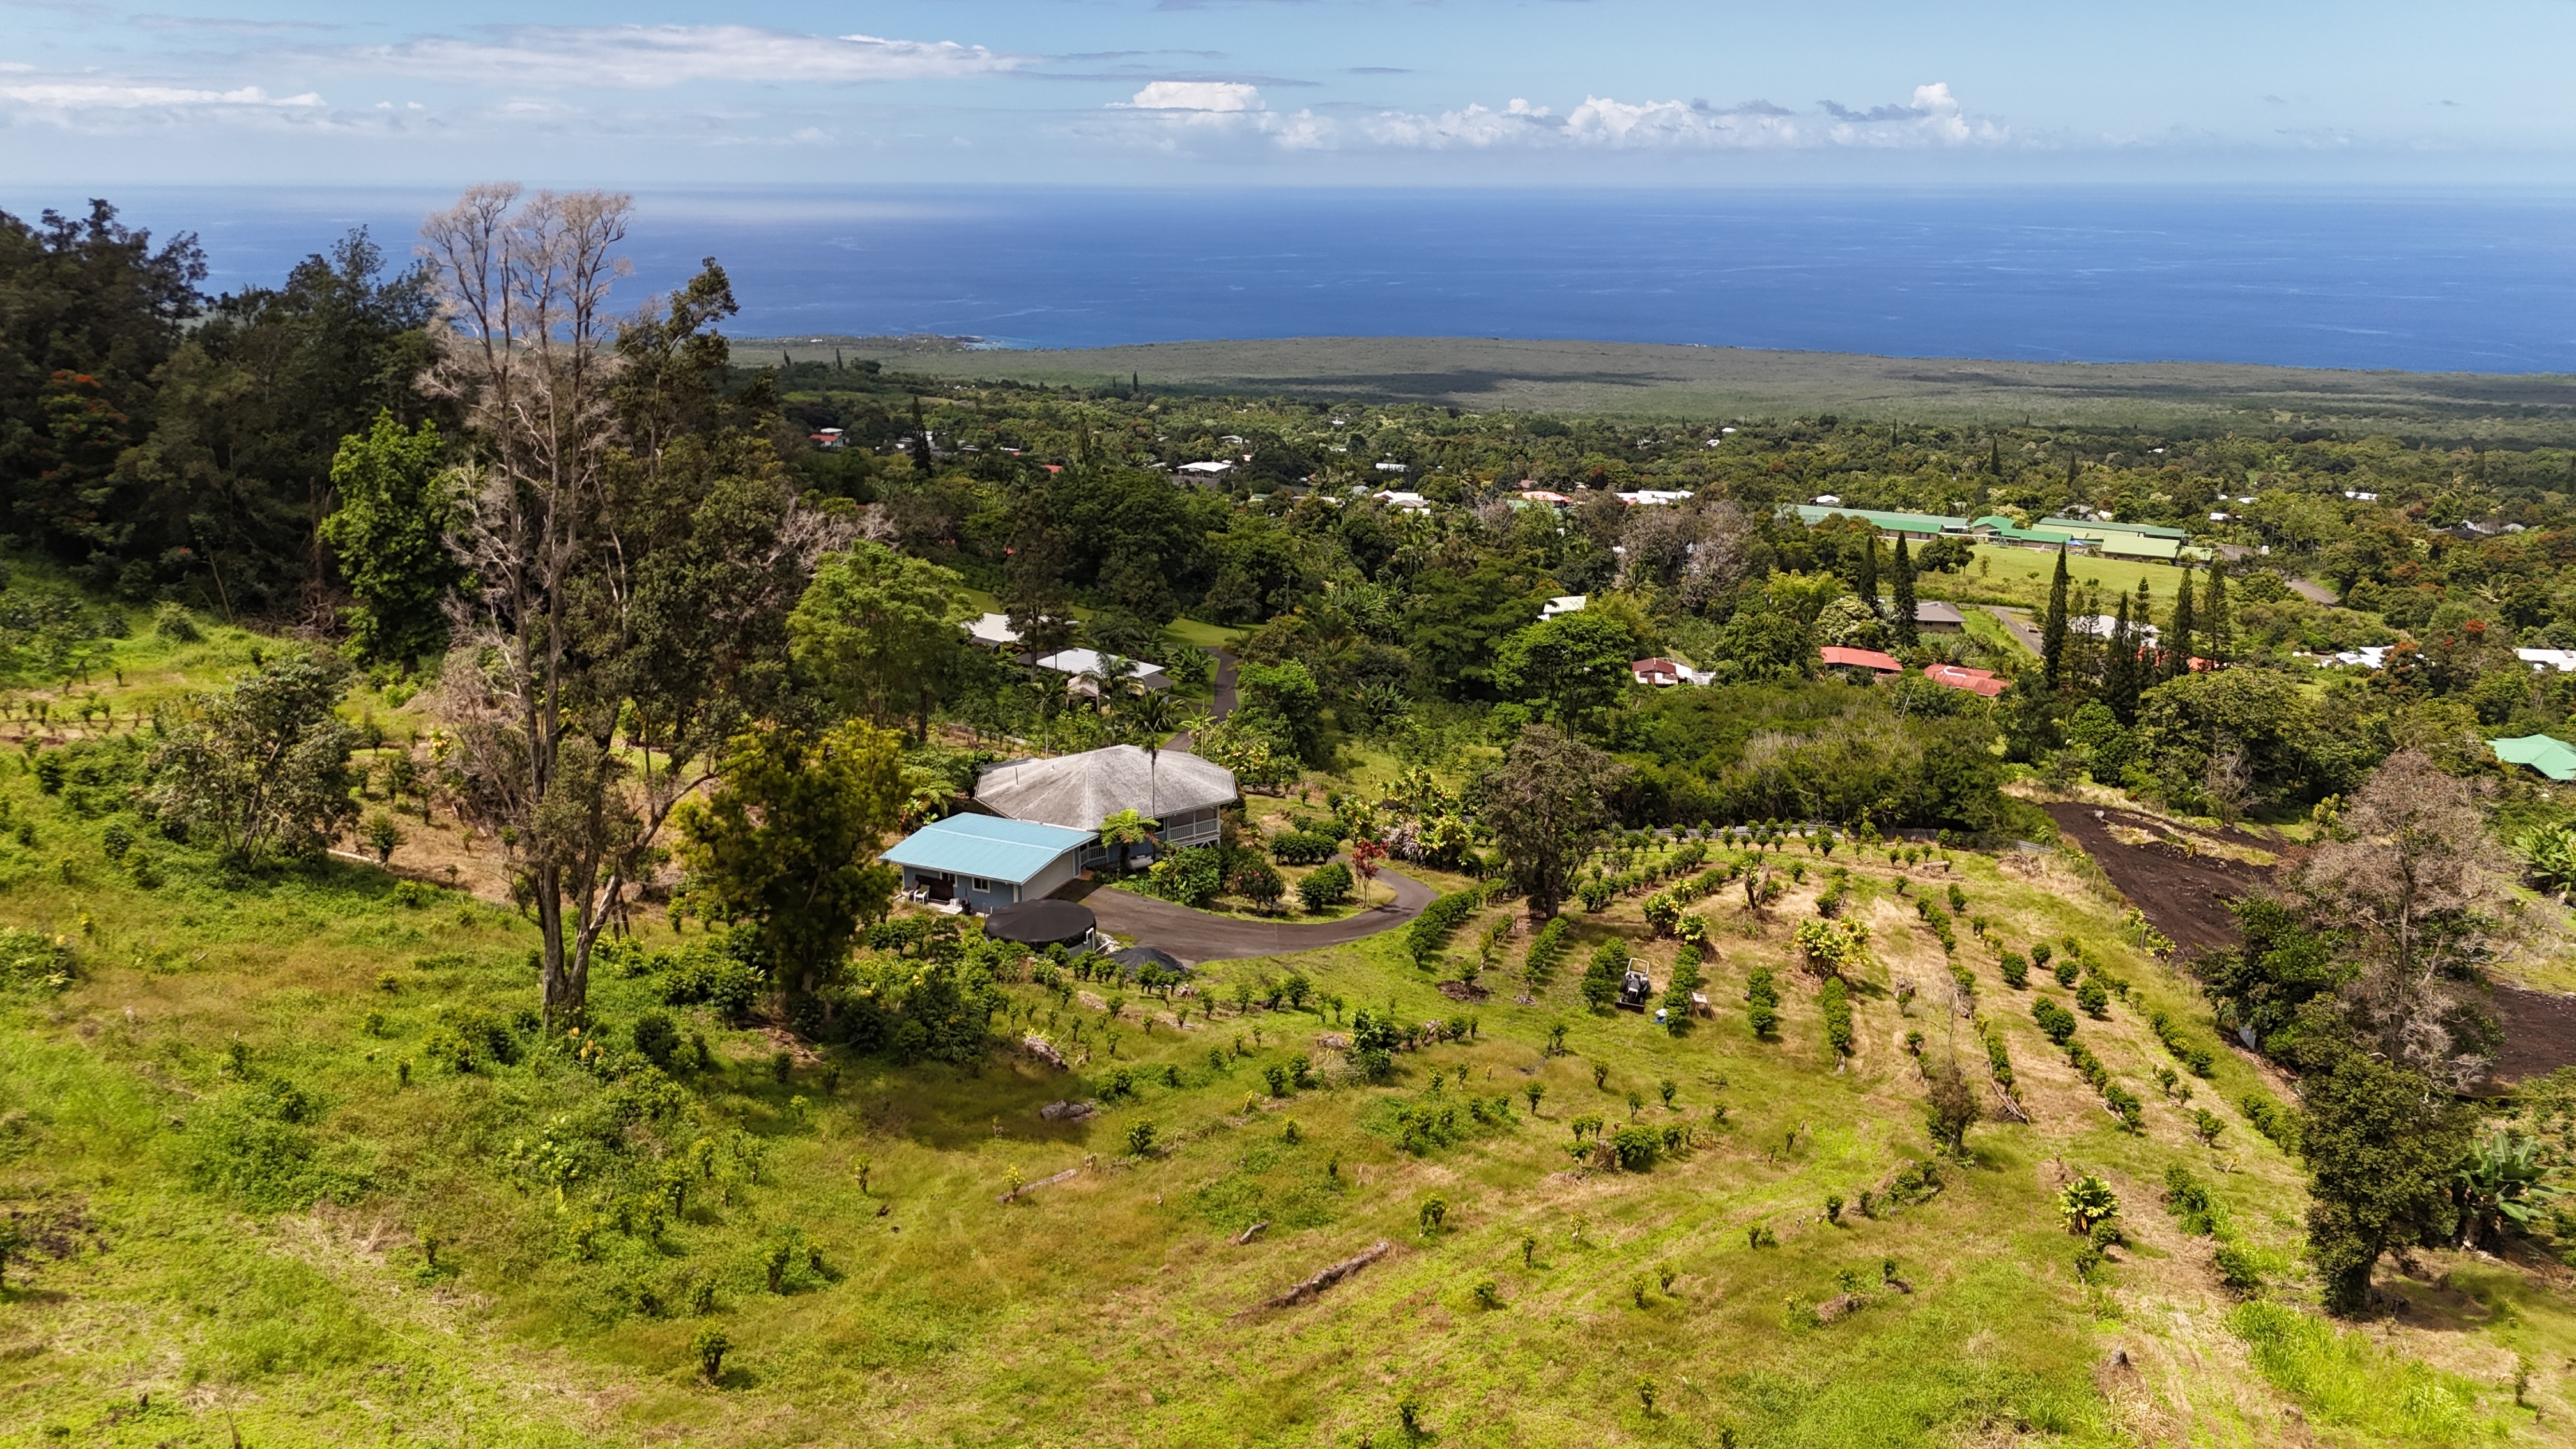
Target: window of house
x=982, y=884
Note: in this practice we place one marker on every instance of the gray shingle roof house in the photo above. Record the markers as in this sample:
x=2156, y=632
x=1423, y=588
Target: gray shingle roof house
x=1175, y=787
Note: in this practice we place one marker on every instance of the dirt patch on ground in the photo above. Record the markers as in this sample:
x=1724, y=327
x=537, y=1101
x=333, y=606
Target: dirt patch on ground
x=2183, y=893
x=2539, y=1032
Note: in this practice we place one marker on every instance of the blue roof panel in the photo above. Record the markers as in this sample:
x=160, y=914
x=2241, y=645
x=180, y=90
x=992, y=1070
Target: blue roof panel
x=986, y=846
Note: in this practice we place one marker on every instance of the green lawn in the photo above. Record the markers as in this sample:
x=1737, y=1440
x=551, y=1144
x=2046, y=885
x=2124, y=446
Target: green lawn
x=2005, y=575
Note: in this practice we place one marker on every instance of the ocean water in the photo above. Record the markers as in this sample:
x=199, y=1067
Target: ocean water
x=2464, y=281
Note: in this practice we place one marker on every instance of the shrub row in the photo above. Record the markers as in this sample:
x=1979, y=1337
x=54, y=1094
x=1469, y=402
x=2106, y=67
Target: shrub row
x=1602, y=977
x=1765, y=998
x=1430, y=930
x=1835, y=1002
x=2272, y=1120
x=2119, y=1099
x=1326, y=885
x=1299, y=848
x=1677, y=995
x=1996, y=1058
x=1548, y=948
x=2055, y=1021
x=2186, y=1051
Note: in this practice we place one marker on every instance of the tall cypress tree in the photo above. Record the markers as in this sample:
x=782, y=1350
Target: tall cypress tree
x=2120, y=667
x=2221, y=638
x=2142, y=617
x=1906, y=635
x=2178, y=639
x=919, y=443
x=2052, y=630
x=1866, y=582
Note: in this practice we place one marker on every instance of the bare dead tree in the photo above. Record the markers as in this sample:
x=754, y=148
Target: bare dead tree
x=2415, y=884
x=628, y=580
x=523, y=294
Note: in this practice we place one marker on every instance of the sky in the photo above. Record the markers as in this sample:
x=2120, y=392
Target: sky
x=1180, y=93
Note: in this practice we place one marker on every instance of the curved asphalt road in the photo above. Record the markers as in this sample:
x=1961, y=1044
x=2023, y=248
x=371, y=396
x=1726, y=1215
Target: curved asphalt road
x=1196, y=936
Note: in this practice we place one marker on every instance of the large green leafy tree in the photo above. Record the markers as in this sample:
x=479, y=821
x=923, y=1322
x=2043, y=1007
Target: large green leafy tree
x=1547, y=805
x=1456, y=619
x=1284, y=700
x=1763, y=644
x=1144, y=545
x=252, y=411
x=877, y=632
x=262, y=762
x=2185, y=723
x=2381, y=1143
x=787, y=843
x=398, y=498
x=1572, y=664
x=83, y=298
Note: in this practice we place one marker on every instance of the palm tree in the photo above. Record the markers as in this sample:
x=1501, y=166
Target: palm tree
x=1124, y=831
x=1151, y=717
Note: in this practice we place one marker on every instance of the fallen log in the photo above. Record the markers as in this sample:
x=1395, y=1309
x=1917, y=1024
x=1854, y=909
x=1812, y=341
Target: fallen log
x=2008, y=1106
x=1068, y=1175
x=1314, y=1286
x=1250, y=1233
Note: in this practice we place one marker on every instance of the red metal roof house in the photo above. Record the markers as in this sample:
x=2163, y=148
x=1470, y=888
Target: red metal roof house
x=1952, y=676
x=1837, y=657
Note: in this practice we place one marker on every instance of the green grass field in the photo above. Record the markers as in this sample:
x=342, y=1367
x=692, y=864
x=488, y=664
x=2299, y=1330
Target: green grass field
x=2005, y=575
x=1654, y=380
x=259, y=1204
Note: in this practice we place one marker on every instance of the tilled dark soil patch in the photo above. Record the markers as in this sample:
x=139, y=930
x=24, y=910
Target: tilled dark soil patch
x=2539, y=1032
x=2183, y=896
x=2186, y=896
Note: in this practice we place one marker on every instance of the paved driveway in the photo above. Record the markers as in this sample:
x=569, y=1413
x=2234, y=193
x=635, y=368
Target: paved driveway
x=2019, y=624
x=1196, y=936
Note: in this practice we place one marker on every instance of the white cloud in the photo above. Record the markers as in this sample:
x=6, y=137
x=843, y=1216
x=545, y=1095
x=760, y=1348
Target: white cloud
x=1224, y=97
x=1934, y=118
x=1228, y=107
x=66, y=96
x=1474, y=126
x=649, y=56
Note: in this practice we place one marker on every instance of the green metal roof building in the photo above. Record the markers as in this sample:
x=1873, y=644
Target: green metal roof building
x=2550, y=757
x=2106, y=539
x=1917, y=525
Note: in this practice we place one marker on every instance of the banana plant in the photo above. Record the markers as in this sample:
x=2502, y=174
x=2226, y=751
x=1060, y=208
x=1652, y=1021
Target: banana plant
x=2504, y=1179
x=2551, y=851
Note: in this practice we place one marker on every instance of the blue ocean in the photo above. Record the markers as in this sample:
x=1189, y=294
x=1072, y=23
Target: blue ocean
x=2425, y=281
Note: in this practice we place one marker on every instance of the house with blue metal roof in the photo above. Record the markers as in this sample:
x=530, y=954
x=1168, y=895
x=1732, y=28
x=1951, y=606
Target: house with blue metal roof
x=984, y=861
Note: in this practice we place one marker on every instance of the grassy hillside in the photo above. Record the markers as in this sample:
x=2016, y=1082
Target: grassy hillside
x=1657, y=380
x=262, y=1199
